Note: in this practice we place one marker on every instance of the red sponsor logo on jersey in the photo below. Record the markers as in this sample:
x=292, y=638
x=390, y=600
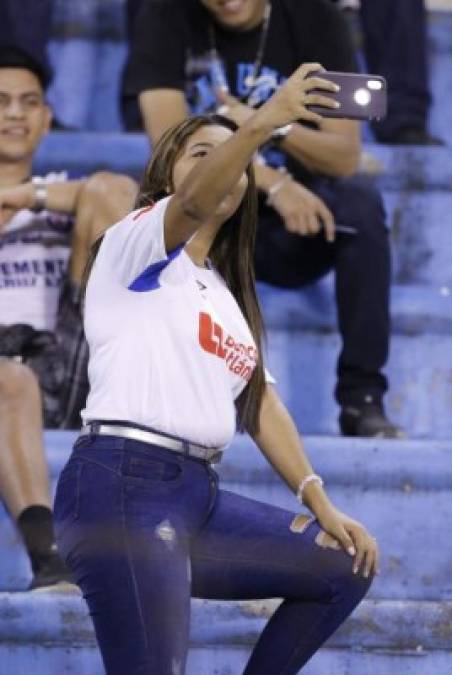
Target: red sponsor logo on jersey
x=241, y=359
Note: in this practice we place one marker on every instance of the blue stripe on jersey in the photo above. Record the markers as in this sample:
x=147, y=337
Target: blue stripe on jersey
x=149, y=279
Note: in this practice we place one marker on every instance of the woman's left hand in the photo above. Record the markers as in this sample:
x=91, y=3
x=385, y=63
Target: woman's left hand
x=353, y=537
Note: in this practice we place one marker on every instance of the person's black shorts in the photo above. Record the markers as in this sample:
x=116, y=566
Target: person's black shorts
x=58, y=359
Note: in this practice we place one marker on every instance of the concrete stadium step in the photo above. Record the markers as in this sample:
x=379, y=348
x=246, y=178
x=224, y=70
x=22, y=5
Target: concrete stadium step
x=416, y=186
x=401, y=490
x=303, y=345
x=405, y=167
x=54, y=632
x=421, y=236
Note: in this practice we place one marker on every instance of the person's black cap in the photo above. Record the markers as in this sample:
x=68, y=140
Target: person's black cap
x=12, y=56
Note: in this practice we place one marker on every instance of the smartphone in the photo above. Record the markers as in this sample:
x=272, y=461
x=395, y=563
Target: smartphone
x=361, y=96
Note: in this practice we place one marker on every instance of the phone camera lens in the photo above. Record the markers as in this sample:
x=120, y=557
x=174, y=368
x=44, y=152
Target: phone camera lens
x=362, y=97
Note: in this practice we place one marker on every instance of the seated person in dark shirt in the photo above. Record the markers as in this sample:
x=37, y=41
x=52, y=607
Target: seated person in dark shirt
x=46, y=230
x=183, y=53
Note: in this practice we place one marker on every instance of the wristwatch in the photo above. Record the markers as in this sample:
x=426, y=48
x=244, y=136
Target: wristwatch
x=281, y=132
x=40, y=194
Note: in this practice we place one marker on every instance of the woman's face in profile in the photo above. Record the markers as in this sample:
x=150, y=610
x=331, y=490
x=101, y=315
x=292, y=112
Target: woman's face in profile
x=196, y=148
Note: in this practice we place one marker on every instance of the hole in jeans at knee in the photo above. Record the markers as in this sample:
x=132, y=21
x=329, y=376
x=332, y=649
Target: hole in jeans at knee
x=325, y=540
x=301, y=523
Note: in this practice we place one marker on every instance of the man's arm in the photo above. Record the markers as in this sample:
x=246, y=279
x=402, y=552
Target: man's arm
x=333, y=150
x=60, y=196
x=162, y=109
x=95, y=202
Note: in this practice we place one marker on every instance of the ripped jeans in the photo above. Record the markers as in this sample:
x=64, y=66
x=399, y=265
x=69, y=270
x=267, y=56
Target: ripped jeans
x=143, y=529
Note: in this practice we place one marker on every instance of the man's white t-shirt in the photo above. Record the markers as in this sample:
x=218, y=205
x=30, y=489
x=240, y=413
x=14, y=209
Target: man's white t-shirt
x=34, y=255
x=169, y=346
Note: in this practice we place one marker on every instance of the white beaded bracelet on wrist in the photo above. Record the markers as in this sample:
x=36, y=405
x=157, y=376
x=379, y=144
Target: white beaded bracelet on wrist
x=275, y=188
x=311, y=478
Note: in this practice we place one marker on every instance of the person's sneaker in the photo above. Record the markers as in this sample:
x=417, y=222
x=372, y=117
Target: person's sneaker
x=368, y=421
x=51, y=572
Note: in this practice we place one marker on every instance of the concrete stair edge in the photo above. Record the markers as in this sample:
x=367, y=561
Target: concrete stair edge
x=62, y=619
x=405, y=167
x=364, y=463
x=415, y=309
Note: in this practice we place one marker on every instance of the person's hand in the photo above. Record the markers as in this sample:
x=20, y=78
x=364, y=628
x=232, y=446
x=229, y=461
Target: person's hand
x=14, y=198
x=353, y=537
x=233, y=109
x=302, y=211
x=289, y=103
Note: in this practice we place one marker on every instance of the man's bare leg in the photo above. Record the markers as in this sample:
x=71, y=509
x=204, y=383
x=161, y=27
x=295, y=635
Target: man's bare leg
x=24, y=480
x=23, y=470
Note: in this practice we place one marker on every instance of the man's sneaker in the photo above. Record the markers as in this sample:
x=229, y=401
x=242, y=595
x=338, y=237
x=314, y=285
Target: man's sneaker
x=51, y=572
x=368, y=421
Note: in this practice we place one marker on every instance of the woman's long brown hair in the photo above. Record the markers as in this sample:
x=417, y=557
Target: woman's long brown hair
x=232, y=251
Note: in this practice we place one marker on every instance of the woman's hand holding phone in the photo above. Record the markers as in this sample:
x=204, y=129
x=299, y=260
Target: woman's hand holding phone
x=293, y=100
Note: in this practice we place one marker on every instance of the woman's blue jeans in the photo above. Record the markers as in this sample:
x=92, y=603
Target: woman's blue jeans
x=144, y=529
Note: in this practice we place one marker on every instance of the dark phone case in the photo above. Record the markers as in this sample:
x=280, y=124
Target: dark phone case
x=350, y=83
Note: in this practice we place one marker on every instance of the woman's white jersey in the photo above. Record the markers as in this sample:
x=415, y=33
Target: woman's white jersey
x=169, y=346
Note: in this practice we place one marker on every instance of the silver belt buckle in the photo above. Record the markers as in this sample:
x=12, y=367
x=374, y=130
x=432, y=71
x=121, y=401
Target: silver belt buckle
x=211, y=455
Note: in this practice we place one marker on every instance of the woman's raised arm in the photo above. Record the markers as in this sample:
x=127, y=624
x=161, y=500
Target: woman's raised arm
x=205, y=187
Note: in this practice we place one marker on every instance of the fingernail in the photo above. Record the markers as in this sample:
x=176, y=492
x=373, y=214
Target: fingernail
x=338, y=87
x=337, y=104
x=351, y=550
x=366, y=574
x=355, y=569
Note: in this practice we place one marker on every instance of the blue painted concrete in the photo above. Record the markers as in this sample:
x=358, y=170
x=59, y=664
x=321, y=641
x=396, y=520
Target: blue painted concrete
x=419, y=369
x=420, y=233
x=415, y=310
x=407, y=168
x=55, y=630
x=440, y=47
x=303, y=346
x=401, y=490
x=416, y=187
x=85, y=91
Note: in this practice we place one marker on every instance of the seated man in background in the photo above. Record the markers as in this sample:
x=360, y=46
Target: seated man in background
x=47, y=226
x=195, y=54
